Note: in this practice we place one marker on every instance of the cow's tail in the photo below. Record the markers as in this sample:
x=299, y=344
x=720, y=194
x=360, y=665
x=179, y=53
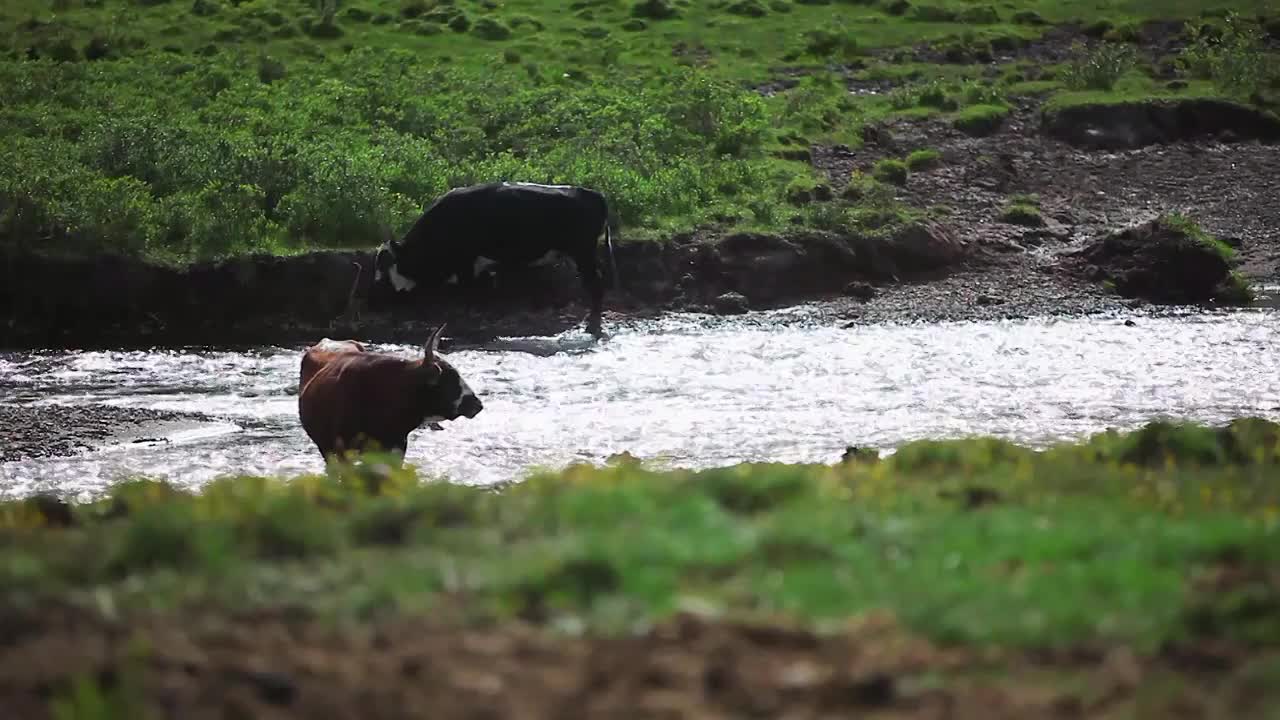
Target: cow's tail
x=608, y=244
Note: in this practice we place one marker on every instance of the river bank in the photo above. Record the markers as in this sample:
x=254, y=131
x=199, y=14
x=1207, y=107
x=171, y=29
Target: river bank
x=966, y=255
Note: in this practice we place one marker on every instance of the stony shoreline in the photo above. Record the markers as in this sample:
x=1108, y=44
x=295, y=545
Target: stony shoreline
x=35, y=431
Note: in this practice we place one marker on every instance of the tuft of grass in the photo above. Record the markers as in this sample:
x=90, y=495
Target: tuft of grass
x=1022, y=214
x=890, y=170
x=980, y=120
x=924, y=159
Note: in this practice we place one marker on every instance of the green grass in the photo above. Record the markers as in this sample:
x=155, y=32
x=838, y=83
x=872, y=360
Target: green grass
x=1086, y=542
x=182, y=130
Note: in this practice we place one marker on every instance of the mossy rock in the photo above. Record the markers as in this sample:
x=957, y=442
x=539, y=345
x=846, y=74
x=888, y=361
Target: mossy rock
x=1028, y=17
x=635, y=25
x=654, y=10
x=896, y=8
x=780, y=6
x=748, y=8
x=491, y=29
x=356, y=14
x=980, y=15
x=1169, y=260
x=1022, y=214
x=414, y=8
x=205, y=8
x=926, y=159
x=932, y=14
x=460, y=23
x=321, y=29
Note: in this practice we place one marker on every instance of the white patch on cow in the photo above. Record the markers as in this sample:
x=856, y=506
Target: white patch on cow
x=548, y=258
x=377, y=275
x=400, y=282
x=537, y=185
x=452, y=279
x=333, y=345
x=466, y=392
x=483, y=263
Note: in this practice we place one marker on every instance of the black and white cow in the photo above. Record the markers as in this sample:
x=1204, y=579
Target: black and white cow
x=469, y=229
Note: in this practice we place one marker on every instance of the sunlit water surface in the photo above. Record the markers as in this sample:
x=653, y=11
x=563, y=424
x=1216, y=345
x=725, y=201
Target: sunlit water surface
x=686, y=391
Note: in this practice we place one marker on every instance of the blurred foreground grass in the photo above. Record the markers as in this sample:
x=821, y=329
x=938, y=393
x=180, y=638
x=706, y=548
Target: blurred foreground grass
x=972, y=541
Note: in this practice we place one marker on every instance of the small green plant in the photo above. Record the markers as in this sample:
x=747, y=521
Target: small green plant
x=1099, y=68
x=890, y=170
x=923, y=160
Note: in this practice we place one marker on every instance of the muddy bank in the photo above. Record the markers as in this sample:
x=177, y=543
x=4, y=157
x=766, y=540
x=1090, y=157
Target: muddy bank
x=284, y=664
x=52, y=430
x=266, y=299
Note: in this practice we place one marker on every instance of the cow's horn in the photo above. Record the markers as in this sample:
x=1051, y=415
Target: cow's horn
x=433, y=343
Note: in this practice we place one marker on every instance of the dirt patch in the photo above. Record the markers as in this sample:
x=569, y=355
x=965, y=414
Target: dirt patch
x=286, y=664
x=1120, y=126
x=53, y=430
x=1078, y=194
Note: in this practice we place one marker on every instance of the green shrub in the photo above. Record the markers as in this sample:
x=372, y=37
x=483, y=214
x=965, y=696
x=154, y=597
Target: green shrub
x=1235, y=59
x=1099, y=68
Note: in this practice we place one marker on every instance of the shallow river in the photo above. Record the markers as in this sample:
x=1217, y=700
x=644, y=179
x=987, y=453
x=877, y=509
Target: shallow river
x=687, y=390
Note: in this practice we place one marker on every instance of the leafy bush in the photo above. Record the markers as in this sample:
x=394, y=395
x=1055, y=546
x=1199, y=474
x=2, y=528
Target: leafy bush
x=1099, y=68
x=1234, y=59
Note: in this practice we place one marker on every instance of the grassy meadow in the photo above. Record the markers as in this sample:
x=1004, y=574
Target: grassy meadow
x=1163, y=538
x=189, y=129
x=969, y=541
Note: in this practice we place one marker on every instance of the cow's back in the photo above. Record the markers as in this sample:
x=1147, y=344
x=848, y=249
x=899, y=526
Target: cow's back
x=321, y=354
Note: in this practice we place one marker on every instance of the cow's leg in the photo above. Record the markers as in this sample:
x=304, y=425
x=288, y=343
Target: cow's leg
x=589, y=270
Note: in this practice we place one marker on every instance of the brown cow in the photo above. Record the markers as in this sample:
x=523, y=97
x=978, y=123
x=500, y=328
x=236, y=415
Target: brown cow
x=349, y=397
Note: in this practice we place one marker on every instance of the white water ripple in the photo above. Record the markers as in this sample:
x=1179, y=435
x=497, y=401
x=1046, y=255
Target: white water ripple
x=689, y=391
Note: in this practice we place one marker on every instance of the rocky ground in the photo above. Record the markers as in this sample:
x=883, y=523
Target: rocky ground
x=52, y=430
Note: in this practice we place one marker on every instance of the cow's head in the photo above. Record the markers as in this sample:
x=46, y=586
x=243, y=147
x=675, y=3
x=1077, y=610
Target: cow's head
x=443, y=394
x=387, y=278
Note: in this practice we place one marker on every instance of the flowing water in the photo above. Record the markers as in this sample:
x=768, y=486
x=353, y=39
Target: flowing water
x=687, y=391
